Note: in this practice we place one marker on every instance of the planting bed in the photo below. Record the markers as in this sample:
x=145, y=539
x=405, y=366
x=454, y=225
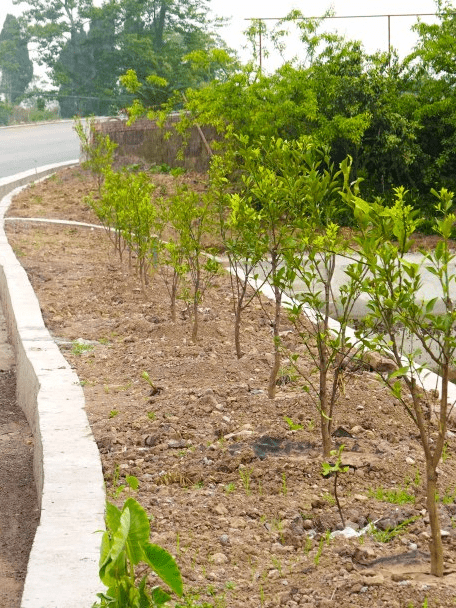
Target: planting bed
x=232, y=491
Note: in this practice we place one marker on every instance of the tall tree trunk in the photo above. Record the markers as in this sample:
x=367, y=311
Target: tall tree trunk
x=159, y=25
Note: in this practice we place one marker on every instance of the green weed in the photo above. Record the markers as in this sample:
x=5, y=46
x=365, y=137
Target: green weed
x=78, y=348
x=396, y=497
x=292, y=425
x=284, y=488
x=245, y=474
x=388, y=535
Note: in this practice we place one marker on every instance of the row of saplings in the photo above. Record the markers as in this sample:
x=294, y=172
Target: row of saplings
x=276, y=224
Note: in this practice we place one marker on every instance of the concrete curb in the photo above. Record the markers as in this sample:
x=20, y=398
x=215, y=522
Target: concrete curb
x=63, y=564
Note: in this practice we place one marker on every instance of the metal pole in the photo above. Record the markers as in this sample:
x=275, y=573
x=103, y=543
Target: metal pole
x=261, y=49
x=389, y=34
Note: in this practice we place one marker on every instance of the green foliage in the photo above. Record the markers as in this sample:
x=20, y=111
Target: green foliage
x=78, y=348
x=15, y=63
x=394, y=496
x=5, y=113
x=335, y=468
x=125, y=545
x=97, y=149
x=292, y=425
x=388, y=535
x=245, y=474
x=398, y=314
x=192, y=217
x=125, y=206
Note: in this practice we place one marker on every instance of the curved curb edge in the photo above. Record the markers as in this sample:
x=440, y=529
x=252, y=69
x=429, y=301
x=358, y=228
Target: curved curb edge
x=63, y=564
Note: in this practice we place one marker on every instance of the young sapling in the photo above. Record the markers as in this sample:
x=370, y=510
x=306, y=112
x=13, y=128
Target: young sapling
x=328, y=469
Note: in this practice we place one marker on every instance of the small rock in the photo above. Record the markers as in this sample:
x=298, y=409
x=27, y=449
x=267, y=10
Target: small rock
x=379, y=363
x=356, y=588
x=225, y=539
x=409, y=460
x=220, y=509
x=239, y=434
x=318, y=503
x=219, y=559
x=177, y=443
x=370, y=581
x=400, y=576
x=364, y=555
x=273, y=574
x=360, y=497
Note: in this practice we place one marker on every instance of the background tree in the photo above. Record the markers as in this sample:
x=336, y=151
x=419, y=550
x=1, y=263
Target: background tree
x=15, y=63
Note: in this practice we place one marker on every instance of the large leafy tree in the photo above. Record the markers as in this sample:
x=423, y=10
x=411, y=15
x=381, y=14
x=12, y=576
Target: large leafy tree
x=432, y=102
x=88, y=48
x=85, y=70
x=15, y=63
x=155, y=39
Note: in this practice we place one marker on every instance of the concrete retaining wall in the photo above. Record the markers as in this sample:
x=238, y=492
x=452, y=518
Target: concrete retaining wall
x=63, y=565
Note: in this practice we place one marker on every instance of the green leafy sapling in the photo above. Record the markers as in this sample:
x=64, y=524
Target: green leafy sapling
x=329, y=468
x=239, y=224
x=274, y=184
x=125, y=545
x=192, y=218
x=319, y=240
x=97, y=149
x=396, y=310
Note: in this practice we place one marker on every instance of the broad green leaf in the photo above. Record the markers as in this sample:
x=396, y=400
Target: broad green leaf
x=430, y=305
x=119, y=538
x=132, y=481
x=139, y=529
x=402, y=371
x=159, y=597
x=112, y=517
x=164, y=565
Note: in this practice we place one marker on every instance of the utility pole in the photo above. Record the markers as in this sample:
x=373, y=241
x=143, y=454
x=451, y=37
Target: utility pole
x=388, y=16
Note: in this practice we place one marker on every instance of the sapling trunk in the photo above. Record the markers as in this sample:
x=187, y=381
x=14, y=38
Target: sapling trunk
x=237, y=329
x=195, y=321
x=323, y=398
x=196, y=297
x=435, y=545
x=173, y=300
x=276, y=336
x=322, y=338
x=337, y=499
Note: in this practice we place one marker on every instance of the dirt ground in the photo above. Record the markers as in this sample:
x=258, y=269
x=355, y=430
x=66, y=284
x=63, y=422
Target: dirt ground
x=19, y=512
x=232, y=490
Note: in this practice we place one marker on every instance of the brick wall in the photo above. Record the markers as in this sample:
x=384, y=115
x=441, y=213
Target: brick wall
x=157, y=145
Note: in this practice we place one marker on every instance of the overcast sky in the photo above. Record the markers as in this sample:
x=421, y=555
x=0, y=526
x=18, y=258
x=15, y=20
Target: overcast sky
x=373, y=32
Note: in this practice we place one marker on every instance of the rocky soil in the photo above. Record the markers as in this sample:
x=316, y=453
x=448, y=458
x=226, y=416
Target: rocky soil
x=233, y=491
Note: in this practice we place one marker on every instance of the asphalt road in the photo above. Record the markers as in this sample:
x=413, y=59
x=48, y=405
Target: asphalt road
x=30, y=146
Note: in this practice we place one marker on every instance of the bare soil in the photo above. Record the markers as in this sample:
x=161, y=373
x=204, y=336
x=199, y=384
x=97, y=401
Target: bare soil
x=233, y=492
x=19, y=513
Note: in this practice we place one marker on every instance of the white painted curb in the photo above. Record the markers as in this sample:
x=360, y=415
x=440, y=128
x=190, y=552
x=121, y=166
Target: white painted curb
x=63, y=565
